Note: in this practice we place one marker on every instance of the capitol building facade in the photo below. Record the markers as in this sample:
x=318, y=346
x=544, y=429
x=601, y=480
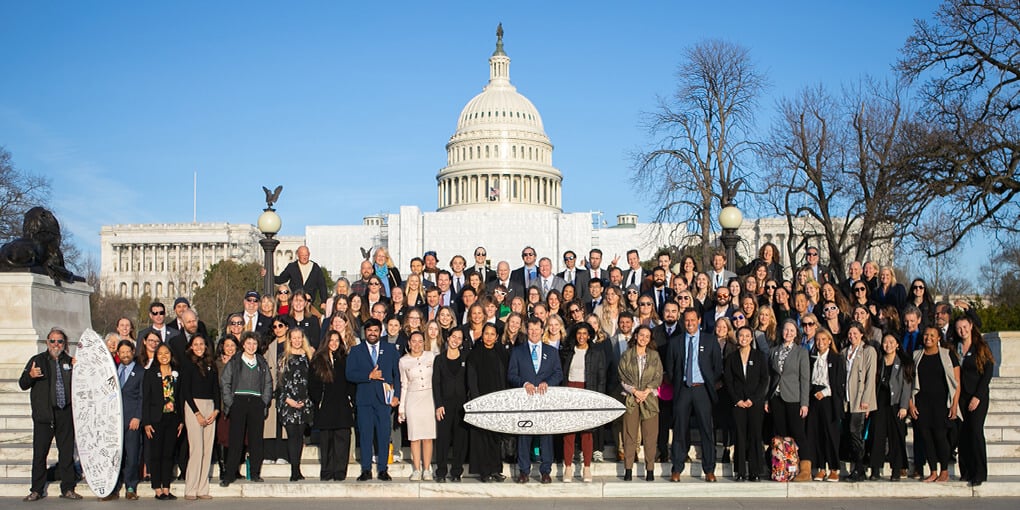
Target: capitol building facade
x=499, y=189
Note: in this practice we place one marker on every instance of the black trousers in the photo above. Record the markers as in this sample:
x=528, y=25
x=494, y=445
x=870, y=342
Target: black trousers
x=748, y=425
x=786, y=421
x=936, y=445
x=43, y=434
x=163, y=441
x=451, y=431
x=295, y=443
x=822, y=429
x=973, y=452
x=686, y=400
x=247, y=415
x=855, y=427
x=889, y=439
x=665, y=426
x=334, y=452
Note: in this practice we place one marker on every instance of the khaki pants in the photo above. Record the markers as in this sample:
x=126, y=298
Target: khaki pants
x=649, y=432
x=200, y=442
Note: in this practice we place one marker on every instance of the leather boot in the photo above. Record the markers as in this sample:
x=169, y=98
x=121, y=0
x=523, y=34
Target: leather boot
x=805, y=472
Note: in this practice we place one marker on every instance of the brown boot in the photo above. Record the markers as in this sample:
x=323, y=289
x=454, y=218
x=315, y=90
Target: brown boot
x=805, y=472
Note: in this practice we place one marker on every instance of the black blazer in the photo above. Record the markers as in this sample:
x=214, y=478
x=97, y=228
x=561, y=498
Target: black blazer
x=663, y=343
x=755, y=384
x=333, y=401
x=152, y=396
x=837, y=379
x=315, y=286
x=595, y=365
x=42, y=388
x=486, y=278
x=449, y=381
x=972, y=383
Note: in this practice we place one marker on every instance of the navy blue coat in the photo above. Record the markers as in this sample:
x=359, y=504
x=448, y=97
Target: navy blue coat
x=359, y=364
x=131, y=393
x=522, y=371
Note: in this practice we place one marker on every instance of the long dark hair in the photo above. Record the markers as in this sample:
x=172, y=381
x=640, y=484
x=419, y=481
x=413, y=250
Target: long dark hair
x=206, y=362
x=321, y=364
x=983, y=353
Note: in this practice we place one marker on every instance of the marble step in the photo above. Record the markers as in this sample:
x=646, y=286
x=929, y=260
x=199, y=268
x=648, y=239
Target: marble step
x=601, y=488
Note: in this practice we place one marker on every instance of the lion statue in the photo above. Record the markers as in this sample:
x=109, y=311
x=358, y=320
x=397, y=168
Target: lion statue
x=38, y=250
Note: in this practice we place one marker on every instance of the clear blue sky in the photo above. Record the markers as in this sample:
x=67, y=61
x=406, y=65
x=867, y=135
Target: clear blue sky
x=350, y=105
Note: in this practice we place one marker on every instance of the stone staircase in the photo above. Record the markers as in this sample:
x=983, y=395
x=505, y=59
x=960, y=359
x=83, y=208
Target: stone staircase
x=1002, y=431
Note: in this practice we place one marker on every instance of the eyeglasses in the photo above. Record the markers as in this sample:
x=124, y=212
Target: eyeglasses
x=158, y=313
x=860, y=289
x=771, y=287
x=251, y=300
x=808, y=324
x=528, y=254
x=575, y=310
x=632, y=292
x=479, y=253
x=56, y=341
x=374, y=284
x=499, y=292
x=568, y=257
x=278, y=326
x=830, y=308
x=739, y=317
x=684, y=298
x=918, y=287
x=236, y=323
x=722, y=296
x=812, y=254
x=644, y=304
x=283, y=291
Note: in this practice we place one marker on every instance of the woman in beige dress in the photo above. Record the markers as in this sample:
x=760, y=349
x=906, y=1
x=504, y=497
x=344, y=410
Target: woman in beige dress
x=417, y=408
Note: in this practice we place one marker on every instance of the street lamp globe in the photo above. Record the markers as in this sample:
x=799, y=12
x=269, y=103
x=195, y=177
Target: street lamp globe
x=730, y=217
x=269, y=222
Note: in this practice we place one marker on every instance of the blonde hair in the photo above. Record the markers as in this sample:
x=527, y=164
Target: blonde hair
x=305, y=346
x=563, y=328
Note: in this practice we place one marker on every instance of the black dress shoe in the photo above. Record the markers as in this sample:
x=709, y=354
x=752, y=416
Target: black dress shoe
x=161, y=497
x=974, y=483
x=225, y=483
x=365, y=476
x=169, y=496
x=726, y=456
x=440, y=479
x=384, y=476
x=875, y=477
x=752, y=478
x=325, y=478
x=339, y=478
x=649, y=476
x=628, y=475
x=455, y=478
x=498, y=477
x=738, y=477
x=257, y=479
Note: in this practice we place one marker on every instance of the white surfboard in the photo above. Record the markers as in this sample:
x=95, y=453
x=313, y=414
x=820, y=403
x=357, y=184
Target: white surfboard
x=559, y=411
x=98, y=415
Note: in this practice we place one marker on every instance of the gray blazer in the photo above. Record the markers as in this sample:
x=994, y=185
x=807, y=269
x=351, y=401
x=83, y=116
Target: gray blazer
x=899, y=388
x=794, y=382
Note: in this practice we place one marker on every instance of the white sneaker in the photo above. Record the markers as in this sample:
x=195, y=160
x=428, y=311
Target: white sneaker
x=427, y=475
x=281, y=461
x=596, y=456
x=397, y=457
x=415, y=475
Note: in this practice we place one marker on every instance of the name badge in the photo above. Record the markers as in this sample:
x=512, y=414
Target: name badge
x=750, y=362
x=66, y=367
x=701, y=348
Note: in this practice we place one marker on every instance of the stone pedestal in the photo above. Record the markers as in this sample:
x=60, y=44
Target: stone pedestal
x=31, y=304
x=1005, y=347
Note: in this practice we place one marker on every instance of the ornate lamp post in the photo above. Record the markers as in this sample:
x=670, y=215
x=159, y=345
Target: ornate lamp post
x=269, y=224
x=730, y=219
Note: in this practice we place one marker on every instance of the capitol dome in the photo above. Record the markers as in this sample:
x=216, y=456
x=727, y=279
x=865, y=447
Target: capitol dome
x=500, y=154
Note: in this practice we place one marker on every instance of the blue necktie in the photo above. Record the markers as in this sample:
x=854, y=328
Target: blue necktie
x=689, y=370
x=534, y=357
x=121, y=373
x=61, y=396
x=375, y=356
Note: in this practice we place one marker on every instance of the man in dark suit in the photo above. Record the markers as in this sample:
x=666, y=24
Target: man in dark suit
x=182, y=305
x=594, y=294
x=529, y=271
x=723, y=308
x=305, y=274
x=534, y=366
x=253, y=320
x=854, y=274
x=574, y=275
x=659, y=292
x=48, y=375
x=663, y=336
x=157, y=314
x=695, y=366
x=513, y=289
x=481, y=268
x=372, y=365
x=820, y=272
x=634, y=274
x=129, y=374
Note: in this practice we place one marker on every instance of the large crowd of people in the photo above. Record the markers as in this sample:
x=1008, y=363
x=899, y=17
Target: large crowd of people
x=736, y=357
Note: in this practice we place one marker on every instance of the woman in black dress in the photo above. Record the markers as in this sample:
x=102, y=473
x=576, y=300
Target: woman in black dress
x=449, y=392
x=292, y=401
x=161, y=419
x=486, y=373
x=331, y=397
x=975, y=375
x=936, y=396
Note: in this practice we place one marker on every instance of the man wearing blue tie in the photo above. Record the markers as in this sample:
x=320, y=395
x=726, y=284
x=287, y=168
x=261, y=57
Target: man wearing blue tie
x=130, y=375
x=534, y=366
x=695, y=365
x=372, y=365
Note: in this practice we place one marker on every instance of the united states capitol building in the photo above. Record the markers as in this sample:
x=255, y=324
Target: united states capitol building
x=499, y=189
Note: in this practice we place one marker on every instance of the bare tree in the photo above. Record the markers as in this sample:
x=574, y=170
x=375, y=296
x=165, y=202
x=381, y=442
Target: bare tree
x=967, y=148
x=703, y=137
x=19, y=192
x=837, y=172
x=941, y=272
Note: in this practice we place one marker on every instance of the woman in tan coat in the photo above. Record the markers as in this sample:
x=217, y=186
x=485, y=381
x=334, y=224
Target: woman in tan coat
x=640, y=373
x=861, y=367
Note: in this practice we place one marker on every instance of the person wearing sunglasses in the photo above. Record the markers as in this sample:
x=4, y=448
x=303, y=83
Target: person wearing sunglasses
x=157, y=314
x=921, y=298
x=835, y=322
x=481, y=267
x=48, y=376
x=819, y=272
